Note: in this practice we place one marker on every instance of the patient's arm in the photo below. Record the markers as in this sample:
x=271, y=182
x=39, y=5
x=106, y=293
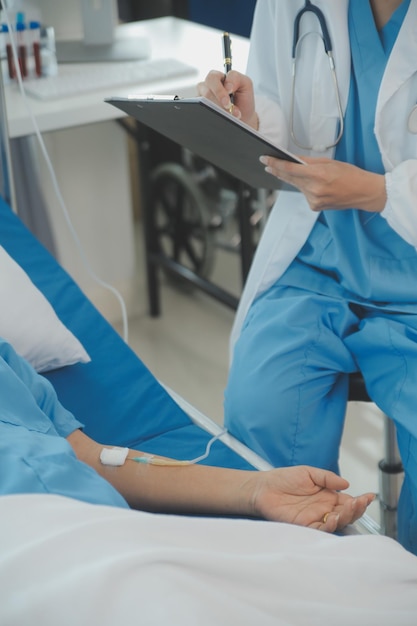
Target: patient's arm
x=301, y=495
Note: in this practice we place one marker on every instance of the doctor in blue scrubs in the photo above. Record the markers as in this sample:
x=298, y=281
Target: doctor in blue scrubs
x=333, y=286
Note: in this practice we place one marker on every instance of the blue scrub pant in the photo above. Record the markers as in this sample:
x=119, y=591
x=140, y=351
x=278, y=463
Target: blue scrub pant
x=287, y=389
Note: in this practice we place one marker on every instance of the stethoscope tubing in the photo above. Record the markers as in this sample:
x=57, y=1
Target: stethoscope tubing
x=327, y=43
x=311, y=8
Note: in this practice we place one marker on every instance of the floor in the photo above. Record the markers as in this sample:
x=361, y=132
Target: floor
x=186, y=348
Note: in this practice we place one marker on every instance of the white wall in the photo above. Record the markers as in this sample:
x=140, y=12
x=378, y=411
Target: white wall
x=92, y=168
x=63, y=15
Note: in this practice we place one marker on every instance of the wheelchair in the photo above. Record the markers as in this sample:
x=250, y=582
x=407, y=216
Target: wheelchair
x=194, y=205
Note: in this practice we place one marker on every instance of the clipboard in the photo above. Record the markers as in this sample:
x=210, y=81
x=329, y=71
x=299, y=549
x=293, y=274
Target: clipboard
x=209, y=132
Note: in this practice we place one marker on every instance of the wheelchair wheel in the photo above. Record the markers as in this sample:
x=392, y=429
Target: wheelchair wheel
x=182, y=218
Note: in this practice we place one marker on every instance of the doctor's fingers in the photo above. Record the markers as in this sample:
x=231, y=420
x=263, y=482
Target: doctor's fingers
x=213, y=86
x=287, y=171
x=219, y=88
x=313, y=179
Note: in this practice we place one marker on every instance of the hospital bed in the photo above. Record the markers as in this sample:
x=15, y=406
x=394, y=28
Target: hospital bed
x=69, y=562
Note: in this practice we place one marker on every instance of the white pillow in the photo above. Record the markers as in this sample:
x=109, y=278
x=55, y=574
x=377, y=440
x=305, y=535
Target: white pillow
x=29, y=323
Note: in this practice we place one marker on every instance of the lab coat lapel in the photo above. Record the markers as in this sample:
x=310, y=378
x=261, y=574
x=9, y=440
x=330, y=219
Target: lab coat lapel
x=402, y=63
x=397, y=95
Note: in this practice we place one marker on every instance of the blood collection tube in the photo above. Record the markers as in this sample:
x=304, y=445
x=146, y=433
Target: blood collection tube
x=35, y=36
x=22, y=51
x=9, y=54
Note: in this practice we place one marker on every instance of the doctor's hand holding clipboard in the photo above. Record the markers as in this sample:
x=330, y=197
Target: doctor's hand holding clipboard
x=326, y=183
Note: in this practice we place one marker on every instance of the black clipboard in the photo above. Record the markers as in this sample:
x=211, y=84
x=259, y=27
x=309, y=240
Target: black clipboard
x=209, y=132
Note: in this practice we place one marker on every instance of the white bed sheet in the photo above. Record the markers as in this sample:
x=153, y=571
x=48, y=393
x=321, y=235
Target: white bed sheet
x=66, y=562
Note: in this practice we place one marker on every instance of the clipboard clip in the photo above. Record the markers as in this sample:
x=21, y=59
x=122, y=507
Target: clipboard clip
x=148, y=97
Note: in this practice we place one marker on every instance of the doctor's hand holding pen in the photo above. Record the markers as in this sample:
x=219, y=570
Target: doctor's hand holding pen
x=326, y=183
x=232, y=91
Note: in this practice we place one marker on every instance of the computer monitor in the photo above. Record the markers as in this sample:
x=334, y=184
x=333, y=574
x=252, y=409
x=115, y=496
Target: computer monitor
x=85, y=30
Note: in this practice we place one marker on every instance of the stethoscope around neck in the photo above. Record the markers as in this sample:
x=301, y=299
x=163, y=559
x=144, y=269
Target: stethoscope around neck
x=328, y=49
x=327, y=43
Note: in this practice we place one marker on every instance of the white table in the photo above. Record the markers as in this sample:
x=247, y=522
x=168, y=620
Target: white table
x=192, y=43
x=90, y=158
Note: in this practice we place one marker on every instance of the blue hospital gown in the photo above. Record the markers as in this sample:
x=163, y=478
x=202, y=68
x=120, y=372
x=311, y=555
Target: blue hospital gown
x=35, y=457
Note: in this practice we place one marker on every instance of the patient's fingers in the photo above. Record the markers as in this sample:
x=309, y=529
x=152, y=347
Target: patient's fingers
x=329, y=522
x=327, y=480
x=358, y=506
x=345, y=514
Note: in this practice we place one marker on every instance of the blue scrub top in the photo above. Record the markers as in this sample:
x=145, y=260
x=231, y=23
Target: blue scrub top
x=355, y=254
x=35, y=456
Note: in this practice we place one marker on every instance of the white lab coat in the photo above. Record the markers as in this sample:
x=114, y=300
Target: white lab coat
x=316, y=117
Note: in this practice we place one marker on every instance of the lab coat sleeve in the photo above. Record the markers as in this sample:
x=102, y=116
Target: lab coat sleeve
x=401, y=208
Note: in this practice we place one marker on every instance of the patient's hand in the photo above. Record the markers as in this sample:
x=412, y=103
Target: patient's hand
x=299, y=495
x=306, y=496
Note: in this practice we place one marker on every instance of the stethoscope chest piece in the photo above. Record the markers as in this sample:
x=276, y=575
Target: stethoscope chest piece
x=412, y=120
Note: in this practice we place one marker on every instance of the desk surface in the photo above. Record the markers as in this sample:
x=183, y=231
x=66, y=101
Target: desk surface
x=170, y=37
